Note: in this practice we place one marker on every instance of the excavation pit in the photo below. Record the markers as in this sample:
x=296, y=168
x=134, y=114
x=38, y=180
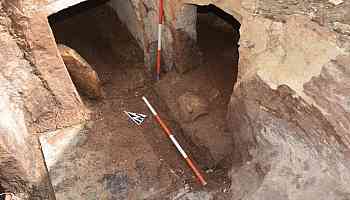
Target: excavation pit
x=198, y=98
x=109, y=147
x=284, y=123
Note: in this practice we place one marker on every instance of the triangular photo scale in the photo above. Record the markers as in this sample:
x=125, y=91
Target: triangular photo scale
x=137, y=118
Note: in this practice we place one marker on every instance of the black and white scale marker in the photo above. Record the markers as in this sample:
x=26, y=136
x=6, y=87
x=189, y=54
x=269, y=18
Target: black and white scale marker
x=137, y=118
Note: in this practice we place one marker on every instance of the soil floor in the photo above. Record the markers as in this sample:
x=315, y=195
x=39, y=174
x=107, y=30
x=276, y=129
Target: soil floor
x=212, y=82
x=112, y=158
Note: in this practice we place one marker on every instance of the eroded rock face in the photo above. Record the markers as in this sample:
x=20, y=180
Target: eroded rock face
x=82, y=74
x=60, y=104
x=32, y=101
x=331, y=90
x=289, y=114
x=289, y=111
x=300, y=147
x=22, y=167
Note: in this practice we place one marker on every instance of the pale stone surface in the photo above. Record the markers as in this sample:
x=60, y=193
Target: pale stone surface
x=129, y=15
x=55, y=6
x=342, y=28
x=336, y=2
x=192, y=106
x=54, y=144
x=281, y=58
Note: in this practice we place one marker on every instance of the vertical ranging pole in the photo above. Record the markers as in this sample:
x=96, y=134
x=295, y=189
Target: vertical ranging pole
x=160, y=26
x=174, y=141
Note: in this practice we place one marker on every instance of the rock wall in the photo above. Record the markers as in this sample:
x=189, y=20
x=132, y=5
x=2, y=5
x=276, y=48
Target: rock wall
x=289, y=112
x=22, y=171
x=141, y=18
x=37, y=95
x=181, y=19
x=60, y=104
x=179, y=50
x=128, y=14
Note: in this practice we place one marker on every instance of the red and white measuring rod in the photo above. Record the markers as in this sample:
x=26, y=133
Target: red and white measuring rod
x=174, y=141
x=160, y=26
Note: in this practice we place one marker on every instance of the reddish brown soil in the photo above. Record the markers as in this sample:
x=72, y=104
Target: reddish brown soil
x=150, y=165
x=212, y=81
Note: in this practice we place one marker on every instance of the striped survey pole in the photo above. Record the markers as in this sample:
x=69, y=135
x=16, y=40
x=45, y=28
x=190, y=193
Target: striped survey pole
x=160, y=26
x=174, y=141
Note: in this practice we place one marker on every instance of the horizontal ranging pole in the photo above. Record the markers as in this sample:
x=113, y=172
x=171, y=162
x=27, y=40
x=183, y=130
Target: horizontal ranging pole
x=174, y=141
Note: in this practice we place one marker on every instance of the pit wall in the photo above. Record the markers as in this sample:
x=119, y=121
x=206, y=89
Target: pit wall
x=180, y=35
x=27, y=101
x=179, y=50
x=289, y=112
x=37, y=95
x=55, y=103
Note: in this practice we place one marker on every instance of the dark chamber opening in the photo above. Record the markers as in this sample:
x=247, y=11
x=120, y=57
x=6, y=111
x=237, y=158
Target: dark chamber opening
x=95, y=32
x=220, y=13
x=218, y=36
x=211, y=82
x=93, y=29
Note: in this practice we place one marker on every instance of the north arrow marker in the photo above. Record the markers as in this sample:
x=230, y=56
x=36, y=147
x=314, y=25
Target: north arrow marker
x=137, y=118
